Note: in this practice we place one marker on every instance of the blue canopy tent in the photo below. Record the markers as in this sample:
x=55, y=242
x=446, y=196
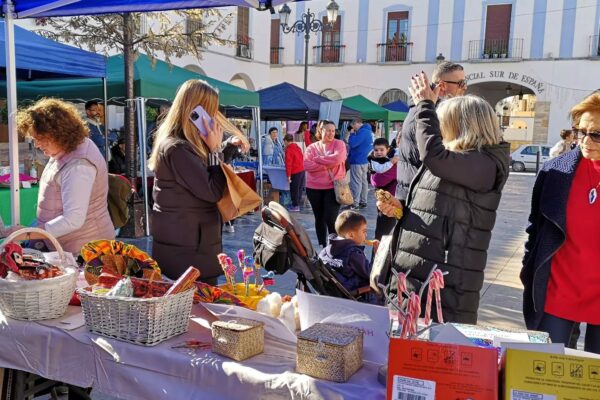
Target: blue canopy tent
x=398, y=105
x=18, y=9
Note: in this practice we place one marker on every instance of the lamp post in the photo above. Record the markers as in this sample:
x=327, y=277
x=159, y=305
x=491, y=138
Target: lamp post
x=440, y=59
x=307, y=24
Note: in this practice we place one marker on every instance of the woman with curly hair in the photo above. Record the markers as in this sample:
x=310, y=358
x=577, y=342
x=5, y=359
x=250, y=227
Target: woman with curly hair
x=72, y=202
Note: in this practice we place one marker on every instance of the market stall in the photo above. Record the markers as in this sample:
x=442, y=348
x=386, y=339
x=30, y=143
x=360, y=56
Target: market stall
x=28, y=204
x=371, y=111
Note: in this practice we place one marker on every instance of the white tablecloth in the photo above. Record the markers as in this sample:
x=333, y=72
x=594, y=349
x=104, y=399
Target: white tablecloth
x=64, y=350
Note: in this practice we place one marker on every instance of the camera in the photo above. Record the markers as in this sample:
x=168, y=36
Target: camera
x=194, y=116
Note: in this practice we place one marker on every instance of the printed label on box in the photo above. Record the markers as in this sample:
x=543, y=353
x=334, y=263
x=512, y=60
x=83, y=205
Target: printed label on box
x=521, y=395
x=406, y=388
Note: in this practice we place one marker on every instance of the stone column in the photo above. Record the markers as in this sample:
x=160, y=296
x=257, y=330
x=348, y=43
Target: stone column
x=540, y=124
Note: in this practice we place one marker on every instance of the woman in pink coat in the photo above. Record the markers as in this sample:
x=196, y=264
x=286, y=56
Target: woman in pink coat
x=324, y=161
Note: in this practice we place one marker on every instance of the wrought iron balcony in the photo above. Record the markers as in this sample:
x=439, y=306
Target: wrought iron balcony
x=394, y=52
x=276, y=55
x=333, y=54
x=493, y=49
x=244, y=47
x=594, y=46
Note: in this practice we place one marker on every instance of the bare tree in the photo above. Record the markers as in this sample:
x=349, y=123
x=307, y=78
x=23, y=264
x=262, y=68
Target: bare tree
x=167, y=34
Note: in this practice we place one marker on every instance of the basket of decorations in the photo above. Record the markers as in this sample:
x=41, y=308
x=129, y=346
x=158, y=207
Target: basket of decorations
x=138, y=310
x=34, y=285
x=249, y=293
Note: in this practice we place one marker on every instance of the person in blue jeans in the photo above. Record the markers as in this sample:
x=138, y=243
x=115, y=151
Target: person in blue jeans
x=361, y=144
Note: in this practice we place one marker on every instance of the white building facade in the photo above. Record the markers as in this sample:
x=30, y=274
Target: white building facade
x=545, y=51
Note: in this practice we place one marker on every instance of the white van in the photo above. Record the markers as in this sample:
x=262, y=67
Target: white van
x=524, y=158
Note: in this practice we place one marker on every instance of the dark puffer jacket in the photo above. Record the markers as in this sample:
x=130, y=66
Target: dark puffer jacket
x=409, y=161
x=451, y=211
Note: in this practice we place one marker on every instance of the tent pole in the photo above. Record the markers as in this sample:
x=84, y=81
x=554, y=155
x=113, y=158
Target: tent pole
x=11, y=100
x=256, y=118
x=106, y=149
x=140, y=108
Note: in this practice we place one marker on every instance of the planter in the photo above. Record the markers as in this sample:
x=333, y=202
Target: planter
x=495, y=55
x=503, y=55
x=486, y=56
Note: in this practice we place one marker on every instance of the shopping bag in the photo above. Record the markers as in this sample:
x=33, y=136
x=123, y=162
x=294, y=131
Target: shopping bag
x=238, y=198
x=343, y=194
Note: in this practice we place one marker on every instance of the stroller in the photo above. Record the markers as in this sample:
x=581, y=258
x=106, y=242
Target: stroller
x=281, y=243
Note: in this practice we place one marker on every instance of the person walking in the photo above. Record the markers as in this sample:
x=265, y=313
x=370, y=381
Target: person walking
x=360, y=143
x=449, y=77
x=560, y=268
x=92, y=113
x=566, y=143
x=324, y=163
x=72, y=202
x=450, y=211
x=294, y=169
x=186, y=224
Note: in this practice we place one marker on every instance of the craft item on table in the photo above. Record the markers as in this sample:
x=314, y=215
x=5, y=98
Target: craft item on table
x=247, y=272
x=257, y=267
x=436, y=284
x=267, y=280
x=193, y=344
x=482, y=335
x=118, y=259
x=16, y=265
x=386, y=197
x=329, y=351
x=185, y=281
x=270, y=305
x=212, y=294
x=222, y=257
x=123, y=288
x=231, y=269
x=238, y=339
x=289, y=314
x=241, y=254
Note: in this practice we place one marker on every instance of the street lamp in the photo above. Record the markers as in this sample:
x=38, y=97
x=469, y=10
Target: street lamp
x=440, y=59
x=307, y=24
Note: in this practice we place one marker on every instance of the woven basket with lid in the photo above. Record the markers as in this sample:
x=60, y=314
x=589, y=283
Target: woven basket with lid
x=238, y=339
x=329, y=351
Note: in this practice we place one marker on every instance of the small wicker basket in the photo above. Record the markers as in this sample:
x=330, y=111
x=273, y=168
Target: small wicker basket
x=329, y=351
x=140, y=321
x=36, y=300
x=238, y=339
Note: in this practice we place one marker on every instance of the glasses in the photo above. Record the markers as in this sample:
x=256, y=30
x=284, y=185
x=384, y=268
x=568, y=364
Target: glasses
x=461, y=84
x=594, y=135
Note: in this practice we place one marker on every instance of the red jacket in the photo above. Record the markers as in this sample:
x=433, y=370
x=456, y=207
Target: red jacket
x=294, y=160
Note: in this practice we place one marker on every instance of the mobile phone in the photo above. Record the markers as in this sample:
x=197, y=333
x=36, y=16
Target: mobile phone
x=196, y=116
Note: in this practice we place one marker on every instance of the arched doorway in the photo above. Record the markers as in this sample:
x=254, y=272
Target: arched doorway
x=195, y=68
x=242, y=80
x=391, y=95
x=331, y=94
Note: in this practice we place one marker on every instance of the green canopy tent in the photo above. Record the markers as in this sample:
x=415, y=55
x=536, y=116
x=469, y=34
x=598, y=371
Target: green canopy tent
x=372, y=111
x=157, y=80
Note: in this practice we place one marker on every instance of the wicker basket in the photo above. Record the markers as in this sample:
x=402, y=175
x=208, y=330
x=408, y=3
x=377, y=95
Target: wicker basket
x=329, y=351
x=38, y=299
x=238, y=339
x=137, y=320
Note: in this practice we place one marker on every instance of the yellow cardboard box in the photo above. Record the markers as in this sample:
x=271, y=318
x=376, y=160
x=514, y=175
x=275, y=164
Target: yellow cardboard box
x=530, y=375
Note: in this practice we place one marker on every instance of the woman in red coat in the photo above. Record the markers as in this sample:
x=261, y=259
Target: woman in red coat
x=294, y=169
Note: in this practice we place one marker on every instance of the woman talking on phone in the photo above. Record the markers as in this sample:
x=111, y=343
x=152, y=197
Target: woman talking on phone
x=186, y=224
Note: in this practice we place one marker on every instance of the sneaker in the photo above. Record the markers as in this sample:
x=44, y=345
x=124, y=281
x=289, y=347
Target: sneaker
x=362, y=205
x=229, y=228
x=294, y=209
x=354, y=208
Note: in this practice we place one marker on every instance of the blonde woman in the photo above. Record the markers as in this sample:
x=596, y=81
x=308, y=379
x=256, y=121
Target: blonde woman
x=452, y=202
x=186, y=224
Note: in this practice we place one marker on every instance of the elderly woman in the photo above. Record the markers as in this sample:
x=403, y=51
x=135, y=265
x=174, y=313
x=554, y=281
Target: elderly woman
x=560, y=268
x=324, y=162
x=72, y=203
x=451, y=211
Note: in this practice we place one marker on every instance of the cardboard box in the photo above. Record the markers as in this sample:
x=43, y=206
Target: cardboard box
x=531, y=375
x=426, y=370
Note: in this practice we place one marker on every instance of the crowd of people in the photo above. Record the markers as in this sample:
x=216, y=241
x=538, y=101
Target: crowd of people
x=448, y=211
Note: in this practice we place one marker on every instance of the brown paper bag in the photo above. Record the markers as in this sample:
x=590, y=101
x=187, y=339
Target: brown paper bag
x=238, y=198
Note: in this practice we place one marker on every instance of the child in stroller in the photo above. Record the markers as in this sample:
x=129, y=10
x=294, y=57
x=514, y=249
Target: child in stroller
x=281, y=243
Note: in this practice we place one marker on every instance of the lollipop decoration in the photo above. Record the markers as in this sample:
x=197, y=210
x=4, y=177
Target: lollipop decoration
x=231, y=268
x=247, y=272
x=267, y=280
x=240, y=256
x=257, y=266
x=222, y=257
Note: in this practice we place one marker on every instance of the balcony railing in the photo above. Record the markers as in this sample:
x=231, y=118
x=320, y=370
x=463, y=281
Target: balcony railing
x=244, y=47
x=333, y=54
x=595, y=46
x=276, y=55
x=492, y=49
x=394, y=52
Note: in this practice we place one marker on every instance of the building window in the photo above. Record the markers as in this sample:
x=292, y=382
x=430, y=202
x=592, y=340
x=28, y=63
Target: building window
x=244, y=41
x=276, y=49
x=397, y=27
x=331, y=94
x=331, y=45
x=497, y=30
x=391, y=95
x=194, y=28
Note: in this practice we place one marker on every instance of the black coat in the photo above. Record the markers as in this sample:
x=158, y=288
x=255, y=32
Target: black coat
x=186, y=223
x=409, y=161
x=546, y=231
x=450, y=216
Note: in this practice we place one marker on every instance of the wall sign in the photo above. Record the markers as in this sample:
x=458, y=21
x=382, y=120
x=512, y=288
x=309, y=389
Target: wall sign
x=521, y=79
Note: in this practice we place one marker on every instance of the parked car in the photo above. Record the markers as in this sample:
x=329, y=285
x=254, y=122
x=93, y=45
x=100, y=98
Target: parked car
x=524, y=158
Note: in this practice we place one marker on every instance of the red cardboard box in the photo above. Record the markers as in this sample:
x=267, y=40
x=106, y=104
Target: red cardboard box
x=425, y=370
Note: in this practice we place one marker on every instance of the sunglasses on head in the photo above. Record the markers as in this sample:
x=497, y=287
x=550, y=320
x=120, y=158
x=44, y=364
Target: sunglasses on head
x=594, y=135
x=461, y=84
